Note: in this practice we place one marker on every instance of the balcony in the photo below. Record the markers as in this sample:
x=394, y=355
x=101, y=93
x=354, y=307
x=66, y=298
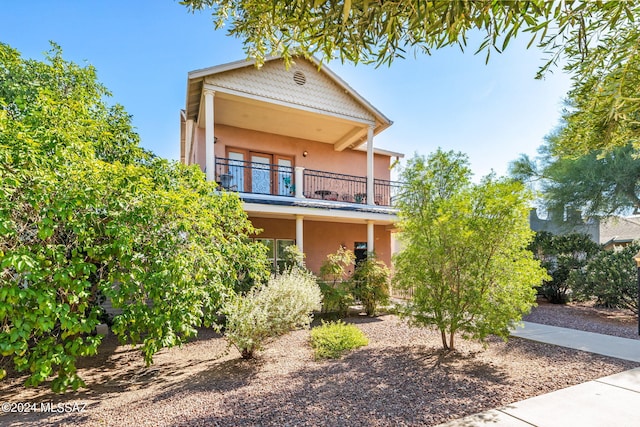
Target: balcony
x=278, y=180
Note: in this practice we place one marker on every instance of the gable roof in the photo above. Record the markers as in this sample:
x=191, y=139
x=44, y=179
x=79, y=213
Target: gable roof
x=322, y=90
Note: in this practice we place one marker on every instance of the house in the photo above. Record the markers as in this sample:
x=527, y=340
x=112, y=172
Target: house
x=618, y=232
x=297, y=144
x=612, y=233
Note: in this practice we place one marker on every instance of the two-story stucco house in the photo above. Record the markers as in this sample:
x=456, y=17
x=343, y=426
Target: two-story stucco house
x=297, y=144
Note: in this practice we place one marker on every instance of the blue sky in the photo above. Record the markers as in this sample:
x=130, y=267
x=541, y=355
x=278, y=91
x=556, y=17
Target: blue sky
x=144, y=49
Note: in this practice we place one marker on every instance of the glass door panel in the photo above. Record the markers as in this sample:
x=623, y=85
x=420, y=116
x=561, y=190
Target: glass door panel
x=285, y=178
x=261, y=173
x=236, y=172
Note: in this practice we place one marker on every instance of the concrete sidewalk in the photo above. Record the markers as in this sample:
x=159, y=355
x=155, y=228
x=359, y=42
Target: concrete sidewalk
x=608, y=401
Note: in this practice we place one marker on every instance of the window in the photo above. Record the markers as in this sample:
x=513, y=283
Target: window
x=281, y=245
x=275, y=251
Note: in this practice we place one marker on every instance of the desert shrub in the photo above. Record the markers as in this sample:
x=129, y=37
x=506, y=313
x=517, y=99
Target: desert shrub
x=336, y=298
x=293, y=258
x=333, y=273
x=271, y=310
x=332, y=339
x=370, y=284
x=563, y=256
x=336, y=267
x=611, y=277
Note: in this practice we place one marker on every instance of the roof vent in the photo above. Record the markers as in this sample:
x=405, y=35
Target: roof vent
x=299, y=78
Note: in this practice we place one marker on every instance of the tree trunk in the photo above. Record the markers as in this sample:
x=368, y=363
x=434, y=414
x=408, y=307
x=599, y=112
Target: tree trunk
x=443, y=334
x=451, y=341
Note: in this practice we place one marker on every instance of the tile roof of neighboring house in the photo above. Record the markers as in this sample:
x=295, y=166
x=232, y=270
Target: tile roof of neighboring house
x=619, y=229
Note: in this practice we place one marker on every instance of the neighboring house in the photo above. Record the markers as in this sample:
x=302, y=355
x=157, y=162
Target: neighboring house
x=618, y=232
x=297, y=145
x=564, y=223
x=612, y=233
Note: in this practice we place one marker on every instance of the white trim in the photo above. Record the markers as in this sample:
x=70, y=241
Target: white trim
x=380, y=151
x=310, y=213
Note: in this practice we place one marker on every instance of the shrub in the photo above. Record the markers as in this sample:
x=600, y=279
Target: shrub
x=293, y=258
x=335, y=291
x=332, y=339
x=370, y=284
x=336, y=298
x=271, y=310
x=611, y=277
x=562, y=256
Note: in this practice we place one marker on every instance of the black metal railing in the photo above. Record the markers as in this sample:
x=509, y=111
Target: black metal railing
x=348, y=188
x=265, y=178
x=334, y=186
x=253, y=177
x=386, y=192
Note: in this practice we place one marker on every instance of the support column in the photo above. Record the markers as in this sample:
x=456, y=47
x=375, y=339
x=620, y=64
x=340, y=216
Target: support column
x=299, y=182
x=209, y=136
x=188, y=138
x=370, y=190
x=300, y=232
x=370, y=236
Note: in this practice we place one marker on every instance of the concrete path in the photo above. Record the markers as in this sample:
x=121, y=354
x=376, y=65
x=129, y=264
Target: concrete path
x=606, y=345
x=608, y=401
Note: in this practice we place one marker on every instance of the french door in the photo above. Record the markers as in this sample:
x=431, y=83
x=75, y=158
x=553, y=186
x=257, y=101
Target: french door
x=261, y=173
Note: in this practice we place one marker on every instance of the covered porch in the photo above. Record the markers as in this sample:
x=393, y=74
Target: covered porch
x=318, y=236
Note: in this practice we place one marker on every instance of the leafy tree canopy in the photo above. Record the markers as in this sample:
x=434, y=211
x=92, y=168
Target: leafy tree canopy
x=465, y=251
x=85, y=214
x=598, y=39
x=599, y=183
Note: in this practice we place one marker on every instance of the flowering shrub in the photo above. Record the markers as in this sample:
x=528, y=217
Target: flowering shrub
x=271, y=310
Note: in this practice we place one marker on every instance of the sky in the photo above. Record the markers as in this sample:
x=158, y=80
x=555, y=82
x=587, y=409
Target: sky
x=143, y=50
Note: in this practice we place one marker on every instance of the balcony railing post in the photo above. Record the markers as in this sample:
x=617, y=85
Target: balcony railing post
x=299, y=182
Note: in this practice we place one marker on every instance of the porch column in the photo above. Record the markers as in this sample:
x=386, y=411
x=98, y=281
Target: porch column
x=299, y=182
x=299, y=232
x=188, y=138
x=370, y=236
x=209, y=136
x=370, y=191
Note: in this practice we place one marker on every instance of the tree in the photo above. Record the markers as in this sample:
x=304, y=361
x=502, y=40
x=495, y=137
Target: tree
x=86, y=213
x=465, y=249
x=599, y=183
x=597, y=39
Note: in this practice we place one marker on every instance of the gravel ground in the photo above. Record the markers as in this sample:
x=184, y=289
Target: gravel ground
x=399, y=379
x=586, y=317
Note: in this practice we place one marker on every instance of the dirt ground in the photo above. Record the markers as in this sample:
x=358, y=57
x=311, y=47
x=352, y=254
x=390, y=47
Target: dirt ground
x=400, y=378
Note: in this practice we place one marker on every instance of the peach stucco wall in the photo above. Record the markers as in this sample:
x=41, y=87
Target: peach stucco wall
x=322, y=238
x=320, y=156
